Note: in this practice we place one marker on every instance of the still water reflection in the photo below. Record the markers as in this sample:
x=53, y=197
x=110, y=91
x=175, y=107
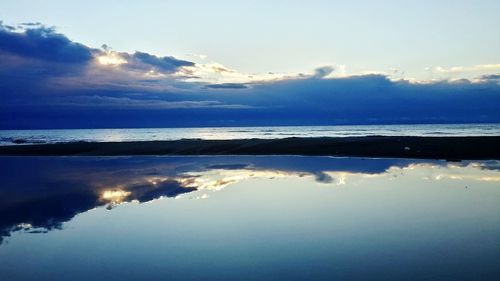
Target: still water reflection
x=248, y=218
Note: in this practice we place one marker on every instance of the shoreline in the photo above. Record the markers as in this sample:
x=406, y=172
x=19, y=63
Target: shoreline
x=448, y=148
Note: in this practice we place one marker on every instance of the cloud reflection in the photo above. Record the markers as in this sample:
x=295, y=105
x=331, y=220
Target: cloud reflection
x=39, y=194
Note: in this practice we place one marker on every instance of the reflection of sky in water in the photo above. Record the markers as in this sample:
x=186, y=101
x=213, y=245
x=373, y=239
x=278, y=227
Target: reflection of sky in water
x=313, y=218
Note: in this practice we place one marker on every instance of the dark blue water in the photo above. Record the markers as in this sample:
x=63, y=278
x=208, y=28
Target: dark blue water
x=248, y=218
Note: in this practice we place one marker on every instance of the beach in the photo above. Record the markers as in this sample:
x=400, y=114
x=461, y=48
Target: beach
x=448, y=148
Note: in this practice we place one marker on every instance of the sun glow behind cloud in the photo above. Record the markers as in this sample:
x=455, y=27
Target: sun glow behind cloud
x=115, y=196
x=111, y=59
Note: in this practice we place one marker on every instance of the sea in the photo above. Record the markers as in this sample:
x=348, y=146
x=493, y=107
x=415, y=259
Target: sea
x=22, y=137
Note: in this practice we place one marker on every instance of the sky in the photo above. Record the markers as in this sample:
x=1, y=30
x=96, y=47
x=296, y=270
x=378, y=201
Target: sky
x=85, y=64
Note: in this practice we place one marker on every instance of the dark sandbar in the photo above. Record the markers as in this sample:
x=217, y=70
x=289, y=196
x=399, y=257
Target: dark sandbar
x=450, y=148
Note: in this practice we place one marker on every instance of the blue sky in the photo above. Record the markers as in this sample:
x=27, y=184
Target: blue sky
x=248, y=62
x=284, y=36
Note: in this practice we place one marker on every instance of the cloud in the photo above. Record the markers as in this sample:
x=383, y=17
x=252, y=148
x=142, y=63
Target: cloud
x=216, y=73
x=47, y=80
x=141, y=103
x=220, y=68
x=474, y=73
x=461, y=69
x=37, y=24
x=43, y=43
x=322, y=72
x=227, y=86
x=490, y=78
x=163, y=64
x=323, y=177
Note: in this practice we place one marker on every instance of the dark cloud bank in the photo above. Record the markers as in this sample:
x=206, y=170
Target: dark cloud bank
x=49, y=81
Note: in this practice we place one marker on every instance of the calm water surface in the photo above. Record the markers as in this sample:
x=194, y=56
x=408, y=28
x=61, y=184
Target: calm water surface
x=248, y=218
x=10, y=137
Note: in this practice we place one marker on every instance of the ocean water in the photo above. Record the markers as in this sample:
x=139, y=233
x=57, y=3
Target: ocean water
x=10, y=137
x=248, y=218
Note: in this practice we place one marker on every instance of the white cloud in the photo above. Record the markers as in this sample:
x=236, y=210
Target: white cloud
x=216, y=73
x=464, y=69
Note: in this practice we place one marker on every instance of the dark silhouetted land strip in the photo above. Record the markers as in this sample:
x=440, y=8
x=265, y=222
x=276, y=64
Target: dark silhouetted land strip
x=450, y=148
